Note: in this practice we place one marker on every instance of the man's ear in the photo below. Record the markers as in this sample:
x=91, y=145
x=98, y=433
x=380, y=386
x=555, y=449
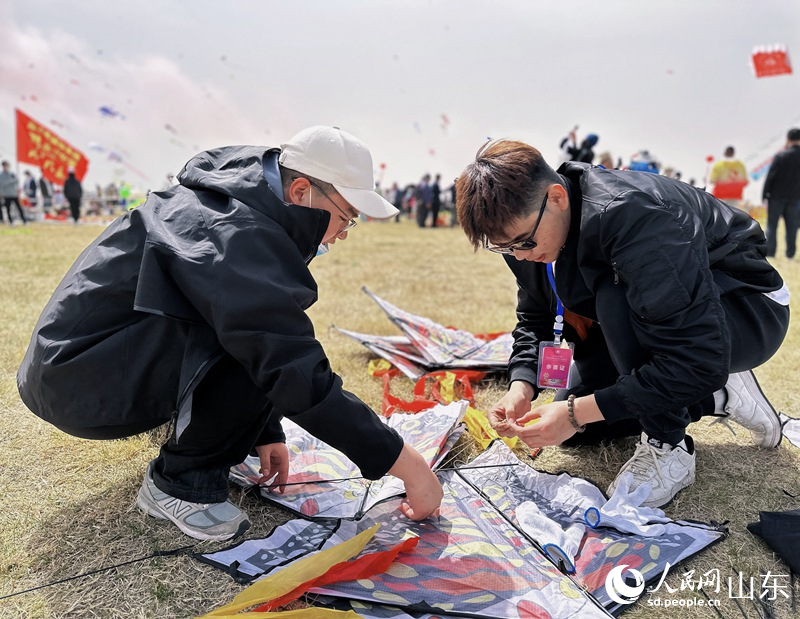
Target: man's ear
x=559, y=196
x=298, y=191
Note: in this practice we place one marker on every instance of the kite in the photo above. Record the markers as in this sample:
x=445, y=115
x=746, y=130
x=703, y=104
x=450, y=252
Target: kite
x=427, y=345
x=110, y=112
x=476, y=559
x=771, y=60
x=323, y=483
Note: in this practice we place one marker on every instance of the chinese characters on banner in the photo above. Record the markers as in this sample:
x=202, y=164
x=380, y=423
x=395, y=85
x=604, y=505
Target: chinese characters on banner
x=773, y=60
x=39, y=146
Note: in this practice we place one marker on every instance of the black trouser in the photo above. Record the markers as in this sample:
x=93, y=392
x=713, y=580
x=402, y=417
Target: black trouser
x=790, y=211
x=7, y=203
x=228, y=414
x=75, y=209
x=435, y=212
x=757, y=326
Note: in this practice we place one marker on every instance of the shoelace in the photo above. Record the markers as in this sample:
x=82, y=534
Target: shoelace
x=645, y=453
x=724, y=421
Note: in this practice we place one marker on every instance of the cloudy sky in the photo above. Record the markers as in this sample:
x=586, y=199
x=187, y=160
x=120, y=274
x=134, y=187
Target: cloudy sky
x=422, y=82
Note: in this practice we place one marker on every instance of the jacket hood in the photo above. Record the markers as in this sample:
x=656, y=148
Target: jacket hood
x=238, y=172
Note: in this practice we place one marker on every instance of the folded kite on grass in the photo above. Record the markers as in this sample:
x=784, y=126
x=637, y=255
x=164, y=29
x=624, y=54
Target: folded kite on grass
x=427, y=345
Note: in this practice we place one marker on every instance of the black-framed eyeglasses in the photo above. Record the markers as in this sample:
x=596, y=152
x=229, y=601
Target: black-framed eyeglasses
x=351, y=223
x=523, y=245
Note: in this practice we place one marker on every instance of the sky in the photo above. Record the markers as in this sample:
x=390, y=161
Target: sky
x=423, y=83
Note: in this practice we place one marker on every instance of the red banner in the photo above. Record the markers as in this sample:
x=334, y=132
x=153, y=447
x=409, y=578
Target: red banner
x=769, y=61
x=39, y=146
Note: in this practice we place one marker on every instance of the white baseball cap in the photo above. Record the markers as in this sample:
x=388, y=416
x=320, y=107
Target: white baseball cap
x=336, y=157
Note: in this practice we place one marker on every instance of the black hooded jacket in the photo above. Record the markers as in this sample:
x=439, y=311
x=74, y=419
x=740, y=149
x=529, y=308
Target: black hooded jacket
x=214, y=265
x=675, y=249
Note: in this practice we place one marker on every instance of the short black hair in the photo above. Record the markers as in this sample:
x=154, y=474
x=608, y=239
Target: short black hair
x=793, y=135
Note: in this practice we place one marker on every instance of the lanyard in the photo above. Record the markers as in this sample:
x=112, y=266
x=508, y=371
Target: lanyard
x=558, y=326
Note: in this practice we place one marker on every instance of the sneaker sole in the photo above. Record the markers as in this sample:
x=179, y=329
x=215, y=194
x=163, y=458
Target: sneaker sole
x=146, y=505
x=775, y=415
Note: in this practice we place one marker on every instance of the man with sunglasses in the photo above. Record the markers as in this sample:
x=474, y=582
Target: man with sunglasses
x=663, y=292
x=192, y=309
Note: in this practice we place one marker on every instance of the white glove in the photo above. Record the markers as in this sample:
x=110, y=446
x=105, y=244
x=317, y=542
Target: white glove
x=625, y=513
x=560, y=545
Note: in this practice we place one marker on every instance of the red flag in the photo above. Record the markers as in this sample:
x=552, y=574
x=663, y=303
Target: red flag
x=772, y=60
x=39, y=146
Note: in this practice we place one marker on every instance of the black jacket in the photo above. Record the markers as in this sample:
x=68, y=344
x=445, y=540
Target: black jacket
x=783, y=178
x=72, y=188
x=675, y=249
x=216, y=264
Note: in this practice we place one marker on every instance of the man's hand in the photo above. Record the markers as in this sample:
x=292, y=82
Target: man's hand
x=423, y=490
x=274, y=463
x=554, y=426
x=505, y=415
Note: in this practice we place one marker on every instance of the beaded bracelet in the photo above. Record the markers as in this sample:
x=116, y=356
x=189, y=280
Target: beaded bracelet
x=571, y=412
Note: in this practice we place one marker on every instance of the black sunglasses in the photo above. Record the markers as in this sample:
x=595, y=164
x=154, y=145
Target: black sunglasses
x=523, y=245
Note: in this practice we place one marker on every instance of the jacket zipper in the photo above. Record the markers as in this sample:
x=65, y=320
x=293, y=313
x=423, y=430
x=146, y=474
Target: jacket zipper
x=616, y=273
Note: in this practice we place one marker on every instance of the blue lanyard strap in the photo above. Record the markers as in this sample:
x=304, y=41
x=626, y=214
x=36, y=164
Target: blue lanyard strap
x=558, y=326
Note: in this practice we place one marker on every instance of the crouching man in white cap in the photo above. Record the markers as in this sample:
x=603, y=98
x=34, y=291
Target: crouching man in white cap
x=192, y=308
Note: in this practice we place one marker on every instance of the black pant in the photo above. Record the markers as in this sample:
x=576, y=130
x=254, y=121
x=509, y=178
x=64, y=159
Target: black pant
x=757, y=326
x=7, y=203
x=75, y=209
x=790, y=211
x=228, y=414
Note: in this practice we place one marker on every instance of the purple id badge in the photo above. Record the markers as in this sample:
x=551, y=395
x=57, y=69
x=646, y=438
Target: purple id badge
x=555, y=361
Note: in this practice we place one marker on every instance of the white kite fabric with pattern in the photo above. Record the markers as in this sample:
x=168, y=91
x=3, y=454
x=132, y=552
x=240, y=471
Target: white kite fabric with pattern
x=313, y=464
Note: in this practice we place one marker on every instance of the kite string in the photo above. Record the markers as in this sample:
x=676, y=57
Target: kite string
x=158, y=553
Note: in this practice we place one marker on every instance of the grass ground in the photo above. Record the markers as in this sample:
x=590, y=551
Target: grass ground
x=67, y=505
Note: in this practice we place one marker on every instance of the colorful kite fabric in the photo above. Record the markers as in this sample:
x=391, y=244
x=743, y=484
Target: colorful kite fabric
x=312, y=463
x=476, y=560
x=429, y=345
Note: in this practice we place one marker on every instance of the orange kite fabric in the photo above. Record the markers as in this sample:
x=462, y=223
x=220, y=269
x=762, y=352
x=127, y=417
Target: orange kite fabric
x=39, y=146
x=363, y=567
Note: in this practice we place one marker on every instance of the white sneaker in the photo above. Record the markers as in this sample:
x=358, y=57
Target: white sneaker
x=667, y=468
x=747, y=405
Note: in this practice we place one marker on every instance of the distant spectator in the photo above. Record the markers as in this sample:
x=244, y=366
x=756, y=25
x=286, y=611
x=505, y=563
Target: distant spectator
x=47, y=193
x=643, y=161
x=30, y=188
x=73, y=192
x=423, y=199
x=9, y=191
x=781, y=194
x=436, y=200
x=729, y=178
x=396, y=196
x=583, y=153
x=606, y=160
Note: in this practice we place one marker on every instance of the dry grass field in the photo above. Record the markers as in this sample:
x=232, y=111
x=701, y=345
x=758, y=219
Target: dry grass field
x=67, y=506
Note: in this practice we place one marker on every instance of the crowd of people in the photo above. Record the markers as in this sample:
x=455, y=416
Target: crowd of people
x=39, y=199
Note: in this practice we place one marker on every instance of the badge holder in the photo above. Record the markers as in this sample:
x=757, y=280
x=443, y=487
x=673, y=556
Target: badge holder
x=555, y=358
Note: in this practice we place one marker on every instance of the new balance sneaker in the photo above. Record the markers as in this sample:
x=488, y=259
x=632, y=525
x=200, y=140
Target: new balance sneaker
x=205, y=521
x=667, y=468
x=747, y=406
